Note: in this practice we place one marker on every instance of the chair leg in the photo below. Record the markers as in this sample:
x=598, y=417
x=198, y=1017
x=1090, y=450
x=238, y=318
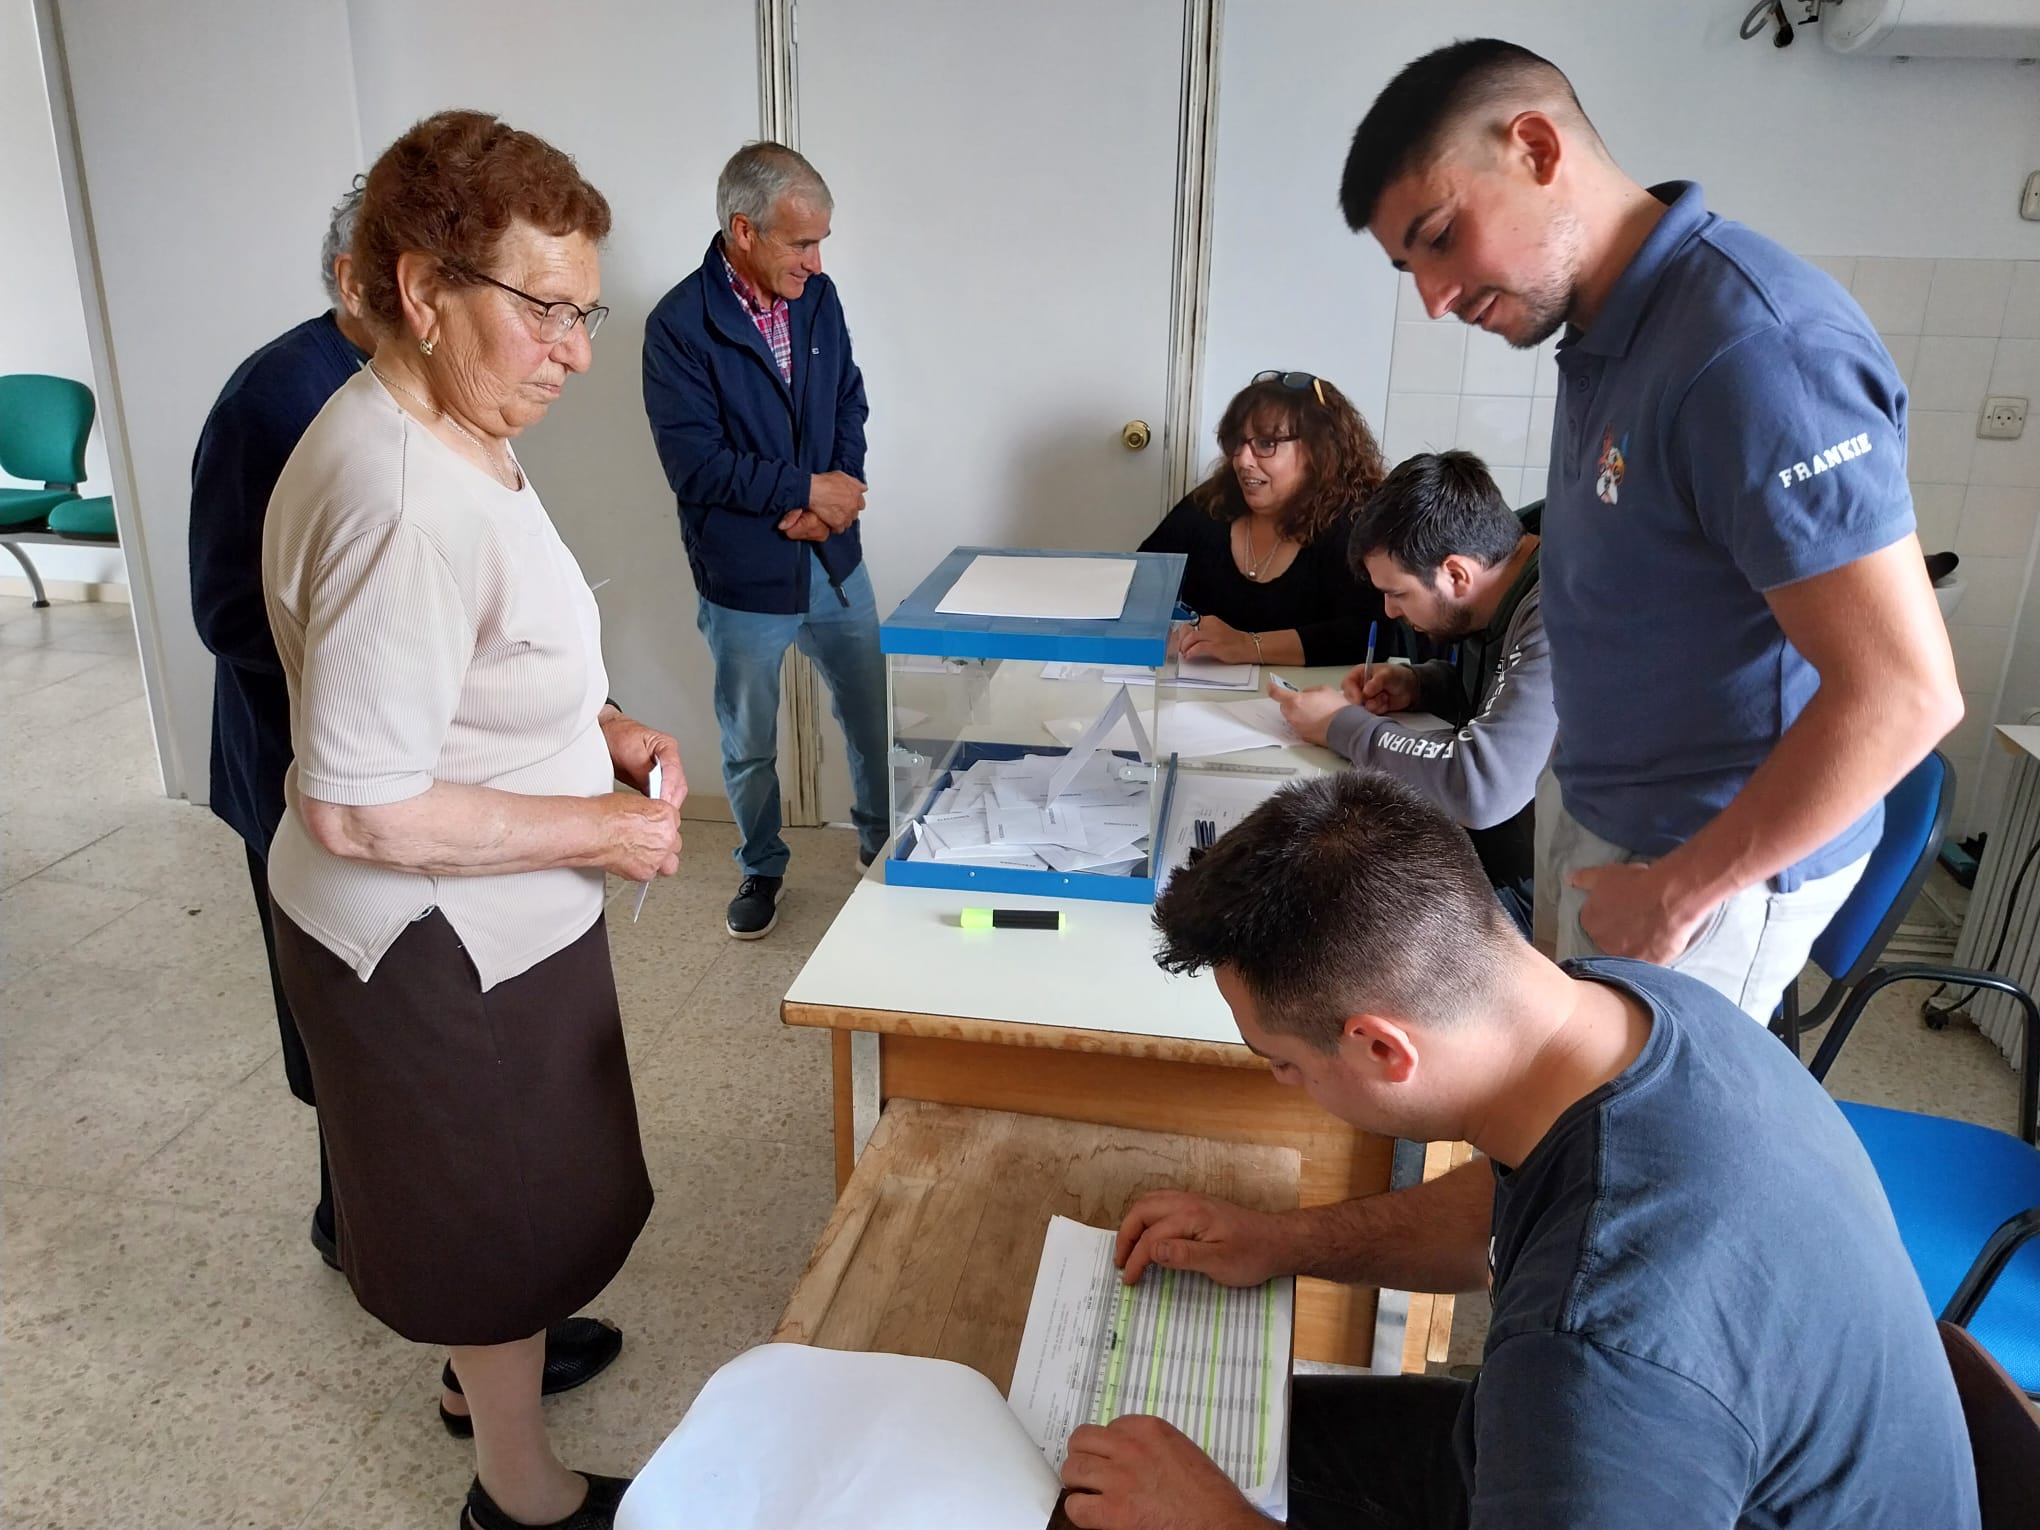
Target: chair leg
x=34, y=579
x=1788, y=1017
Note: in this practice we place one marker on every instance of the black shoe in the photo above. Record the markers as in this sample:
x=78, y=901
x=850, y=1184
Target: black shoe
x=866, y=857
x=576, y=1352
x=323, y=1242
x=755, y=909
x=597, y=1511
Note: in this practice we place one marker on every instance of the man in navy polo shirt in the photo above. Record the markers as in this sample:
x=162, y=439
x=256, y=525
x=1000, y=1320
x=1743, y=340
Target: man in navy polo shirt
x=1746, y=652
x=758, y=411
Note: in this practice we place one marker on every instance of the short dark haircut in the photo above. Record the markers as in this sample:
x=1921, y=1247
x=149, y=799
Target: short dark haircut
x=1349, y=893
x=1432, y=506
x=1431, y=99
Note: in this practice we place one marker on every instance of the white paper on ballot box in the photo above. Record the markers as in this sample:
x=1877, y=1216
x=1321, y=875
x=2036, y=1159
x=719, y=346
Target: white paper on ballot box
x=825, y=1439
x=1049, y=589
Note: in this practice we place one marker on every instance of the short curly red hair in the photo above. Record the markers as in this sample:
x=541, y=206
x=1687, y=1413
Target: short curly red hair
x=450, y=188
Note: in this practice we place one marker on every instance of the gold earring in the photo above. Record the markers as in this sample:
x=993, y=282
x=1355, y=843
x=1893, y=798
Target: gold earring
x=425, y=346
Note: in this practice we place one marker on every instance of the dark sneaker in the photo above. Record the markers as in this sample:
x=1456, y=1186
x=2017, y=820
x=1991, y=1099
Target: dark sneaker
x=866, y=857
x=755, y=909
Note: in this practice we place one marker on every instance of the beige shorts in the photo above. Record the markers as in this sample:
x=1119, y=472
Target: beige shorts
x=1748, y=949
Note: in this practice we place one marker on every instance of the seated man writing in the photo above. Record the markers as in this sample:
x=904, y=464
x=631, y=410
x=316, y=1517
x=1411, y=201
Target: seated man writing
x=1453, y=560
x=1703, y=1316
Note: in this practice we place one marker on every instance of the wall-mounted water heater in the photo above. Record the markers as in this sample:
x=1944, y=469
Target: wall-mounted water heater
x=1933, y=28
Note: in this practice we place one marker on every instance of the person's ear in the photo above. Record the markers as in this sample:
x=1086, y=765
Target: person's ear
x=350, y=289
x=422, y=296
x=1455, y=577
x=1387, y=1048
x=743, y=233
x=1535, y=143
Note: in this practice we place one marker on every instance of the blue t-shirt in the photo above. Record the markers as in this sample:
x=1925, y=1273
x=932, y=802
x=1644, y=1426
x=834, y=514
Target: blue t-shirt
x=1731, y=423
x=1703, y=1315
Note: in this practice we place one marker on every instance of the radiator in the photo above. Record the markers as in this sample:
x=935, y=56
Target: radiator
x=2012, y=837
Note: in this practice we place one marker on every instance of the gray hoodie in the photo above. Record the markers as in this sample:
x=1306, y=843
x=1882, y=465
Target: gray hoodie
x=1484, y=773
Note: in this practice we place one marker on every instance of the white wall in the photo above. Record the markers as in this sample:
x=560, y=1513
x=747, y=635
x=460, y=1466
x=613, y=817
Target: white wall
x=1900, y=177
x=650, y=98
x=215, y=136
x=45, y=331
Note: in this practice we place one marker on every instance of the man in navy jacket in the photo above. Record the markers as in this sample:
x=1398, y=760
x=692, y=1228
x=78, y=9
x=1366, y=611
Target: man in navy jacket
x=758, y=411
x=266, y=405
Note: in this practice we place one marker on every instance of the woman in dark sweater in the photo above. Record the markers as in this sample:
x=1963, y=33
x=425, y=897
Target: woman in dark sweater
x=1266, y=532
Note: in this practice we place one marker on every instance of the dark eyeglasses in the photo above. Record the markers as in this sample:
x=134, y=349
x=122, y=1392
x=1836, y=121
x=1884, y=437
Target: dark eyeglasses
x=555, y=320
x=1295, y=382
x=1262, y=446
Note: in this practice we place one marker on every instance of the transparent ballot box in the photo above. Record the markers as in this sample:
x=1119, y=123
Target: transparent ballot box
x=1027, y=750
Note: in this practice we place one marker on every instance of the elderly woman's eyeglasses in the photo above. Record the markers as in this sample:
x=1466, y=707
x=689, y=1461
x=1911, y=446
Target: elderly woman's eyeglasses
x=555, y=320
x=1295, y=382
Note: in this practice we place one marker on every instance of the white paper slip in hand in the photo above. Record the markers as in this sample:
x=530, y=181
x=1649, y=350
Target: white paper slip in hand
x=653, y=783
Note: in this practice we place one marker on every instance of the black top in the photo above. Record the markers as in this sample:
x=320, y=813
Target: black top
x=266, y=405
x=1317, y=594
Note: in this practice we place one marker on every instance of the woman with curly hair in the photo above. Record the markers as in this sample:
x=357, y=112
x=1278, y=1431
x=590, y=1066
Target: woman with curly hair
x=1266, y=533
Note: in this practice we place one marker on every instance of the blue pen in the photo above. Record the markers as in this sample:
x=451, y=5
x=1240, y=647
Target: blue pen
x=1366, y=674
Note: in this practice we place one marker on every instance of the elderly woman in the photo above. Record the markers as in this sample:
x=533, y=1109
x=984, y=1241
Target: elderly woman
x=438, y=874
x=1266, y=533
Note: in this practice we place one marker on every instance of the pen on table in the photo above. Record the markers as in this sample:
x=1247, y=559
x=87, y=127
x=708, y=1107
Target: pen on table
x=653, y=782
x=1012, y=919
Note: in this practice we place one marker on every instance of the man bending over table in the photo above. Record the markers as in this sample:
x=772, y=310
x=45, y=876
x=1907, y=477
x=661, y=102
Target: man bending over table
x=1702, y=1314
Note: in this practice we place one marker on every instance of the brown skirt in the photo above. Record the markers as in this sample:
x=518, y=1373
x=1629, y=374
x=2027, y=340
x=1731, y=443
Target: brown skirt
x=487, y=1175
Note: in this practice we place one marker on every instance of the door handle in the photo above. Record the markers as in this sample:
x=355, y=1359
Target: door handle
x=1134, y=435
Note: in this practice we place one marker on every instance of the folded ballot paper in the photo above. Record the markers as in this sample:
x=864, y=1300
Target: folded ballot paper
x=792, y=1435
x=1046, y=812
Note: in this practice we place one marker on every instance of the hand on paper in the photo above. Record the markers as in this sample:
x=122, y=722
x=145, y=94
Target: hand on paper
x=1215, y=640
x=1628, y=912
x=632, y=749
x=640, y=836
x=1181, y=1231
x=1309, y=713
x=803, y=526
x=1142, y=1473
x=1381, y=688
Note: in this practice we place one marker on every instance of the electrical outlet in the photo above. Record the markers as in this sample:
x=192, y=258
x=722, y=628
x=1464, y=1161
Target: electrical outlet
x=2004, y=419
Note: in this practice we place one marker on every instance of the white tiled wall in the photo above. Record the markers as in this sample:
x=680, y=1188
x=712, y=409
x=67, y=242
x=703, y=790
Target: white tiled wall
x=1959, y=331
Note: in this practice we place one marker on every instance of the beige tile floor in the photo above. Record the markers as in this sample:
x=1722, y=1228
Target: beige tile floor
x=172, y=1352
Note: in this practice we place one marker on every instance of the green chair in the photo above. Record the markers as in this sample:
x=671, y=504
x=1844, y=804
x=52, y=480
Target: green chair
x=44, y=424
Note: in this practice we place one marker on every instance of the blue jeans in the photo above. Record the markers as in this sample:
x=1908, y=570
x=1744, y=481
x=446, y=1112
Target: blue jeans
x=748, y=647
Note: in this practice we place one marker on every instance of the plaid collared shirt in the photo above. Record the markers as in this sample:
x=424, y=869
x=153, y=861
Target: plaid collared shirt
x=772, y=322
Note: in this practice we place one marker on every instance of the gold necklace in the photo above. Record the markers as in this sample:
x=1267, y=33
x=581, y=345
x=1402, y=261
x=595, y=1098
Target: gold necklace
x=1255, y=565
x=514, y=483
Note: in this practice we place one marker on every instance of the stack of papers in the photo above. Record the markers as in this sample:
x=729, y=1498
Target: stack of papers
x=1003, y=813
x=1211, y=1360
x=1196, y=730
x=1195, y=674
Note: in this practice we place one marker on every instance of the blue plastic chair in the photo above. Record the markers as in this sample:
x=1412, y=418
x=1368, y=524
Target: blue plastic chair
x=1915, y=822
x=1966, y=1197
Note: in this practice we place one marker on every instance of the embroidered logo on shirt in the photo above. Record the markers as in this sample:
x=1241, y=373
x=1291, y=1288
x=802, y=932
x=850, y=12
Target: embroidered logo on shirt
x=1608, y=470
x=1826, y=461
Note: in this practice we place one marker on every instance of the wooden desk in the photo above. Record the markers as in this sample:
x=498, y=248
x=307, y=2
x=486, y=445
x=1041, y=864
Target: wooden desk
x=933, y=1246
x=1081, y=1025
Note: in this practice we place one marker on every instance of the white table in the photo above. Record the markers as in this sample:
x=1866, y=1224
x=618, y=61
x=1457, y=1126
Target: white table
x=1081, y=1024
